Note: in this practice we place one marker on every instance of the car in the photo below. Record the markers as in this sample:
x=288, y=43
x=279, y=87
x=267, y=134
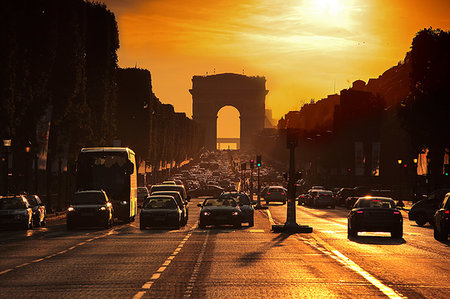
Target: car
x=423, y=211
x=179, y=188
x=442, y=220
x=276, y=193
x=219, y=211
x=342, y=195
x=142, y=193
x=323, y=198
x=38, y=208
x=375, y=214
x=89, y=208
x=247, y=210
x=183, y=205
x=15, y=211
x=301, y=199
x=358, y=192
x=160, y=211
x=206, y=190
x=168, y=183
x=309, y=199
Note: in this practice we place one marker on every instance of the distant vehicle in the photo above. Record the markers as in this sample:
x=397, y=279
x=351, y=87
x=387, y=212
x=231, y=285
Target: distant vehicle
x=324, y=198
x=442, y=220
x=423, y=211
x=318, y=188
x=342, y=195
x=168, y=183
x=247, y=210
x=15, y=212
x=206, y=190
x=160, y=211
x=112, y=169
x=375, y=214
x=276, y=193
x=179, y=188
x=301, y=199
x=183, y=205
x=90, y=208
x=358, y=192
x=178, y=182
x=219, y=211
x=39, y=211
x=309, y=199
x=142, y=193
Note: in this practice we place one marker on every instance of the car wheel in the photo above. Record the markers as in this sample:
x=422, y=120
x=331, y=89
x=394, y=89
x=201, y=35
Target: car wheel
x=441, y=235
x=251, y=223
x=420, y=219
x=397, y=233
x=237, y=225
x=436, y=234
x=201, y=225
x=352, y=232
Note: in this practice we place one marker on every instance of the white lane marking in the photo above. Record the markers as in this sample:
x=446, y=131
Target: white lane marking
x=256, y=230
x=55, y=254
x=196, y=270
x=270, y=217
x=147, y=285
x=336, y=255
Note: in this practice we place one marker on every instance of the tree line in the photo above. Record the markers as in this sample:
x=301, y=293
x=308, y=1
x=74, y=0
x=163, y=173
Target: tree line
x=59, y=90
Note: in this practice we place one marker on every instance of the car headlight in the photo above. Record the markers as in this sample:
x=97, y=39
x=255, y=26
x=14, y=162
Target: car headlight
x=102, y=208
x=235, y=213
x=206, y=213
x=71, y=209
x=124, y=202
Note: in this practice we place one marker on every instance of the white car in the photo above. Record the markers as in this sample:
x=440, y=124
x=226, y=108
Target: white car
x=276, y=193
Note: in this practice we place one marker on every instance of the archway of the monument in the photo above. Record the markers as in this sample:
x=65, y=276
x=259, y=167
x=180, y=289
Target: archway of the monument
x=228, y=128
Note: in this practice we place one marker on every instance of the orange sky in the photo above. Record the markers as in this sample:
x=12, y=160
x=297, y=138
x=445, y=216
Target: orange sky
x=304, y=47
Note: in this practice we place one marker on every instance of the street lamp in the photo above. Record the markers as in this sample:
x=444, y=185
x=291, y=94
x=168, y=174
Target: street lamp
x=7, y=145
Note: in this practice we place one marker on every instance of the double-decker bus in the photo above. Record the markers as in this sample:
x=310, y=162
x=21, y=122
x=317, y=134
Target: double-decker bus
x=112, y=169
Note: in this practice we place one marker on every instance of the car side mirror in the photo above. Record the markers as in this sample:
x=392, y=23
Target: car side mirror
x=199, y=205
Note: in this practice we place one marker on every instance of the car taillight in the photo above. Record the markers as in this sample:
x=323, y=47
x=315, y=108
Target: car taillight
x=447, y=212
x=282, y=193
x=268, y=193
x=359, y=212
x=396, y=212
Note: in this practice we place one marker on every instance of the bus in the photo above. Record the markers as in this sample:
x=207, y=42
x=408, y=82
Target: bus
x=112, y=169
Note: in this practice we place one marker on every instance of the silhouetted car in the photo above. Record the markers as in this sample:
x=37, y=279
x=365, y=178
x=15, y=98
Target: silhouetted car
x=15, y=212
x=183, y=205
x=375, y=214
x=324, y=198
x=302, y=199
x=276, y=193
x=442, y=220
x=342, y=195
x=247, y=210
x=160, y=211
x=90, y=208
x=424, y=210
x=358, y=192
x=38, y=208
x=219, y=211
x=207, y=190
x=179, y=188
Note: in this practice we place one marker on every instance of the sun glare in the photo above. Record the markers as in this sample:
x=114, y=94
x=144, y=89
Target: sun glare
x=329, y=13
x=329, y=7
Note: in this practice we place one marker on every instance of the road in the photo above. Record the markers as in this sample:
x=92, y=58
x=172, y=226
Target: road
x=251, y=262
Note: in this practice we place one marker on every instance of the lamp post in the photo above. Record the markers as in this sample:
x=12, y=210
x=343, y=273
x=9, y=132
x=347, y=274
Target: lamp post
x=7, y=145
x=27, y=166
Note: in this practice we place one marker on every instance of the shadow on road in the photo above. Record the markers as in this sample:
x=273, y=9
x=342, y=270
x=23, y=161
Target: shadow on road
x=254, y=256
x=377, y=240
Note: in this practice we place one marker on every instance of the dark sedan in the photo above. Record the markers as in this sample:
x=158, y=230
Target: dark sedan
x=90, y=208
x=183, y=205
x=207, y=190
x=160, y=211
x=442, y=220
x=375, y=214
x=219, y=211
x=247, y=210
x=15, y=212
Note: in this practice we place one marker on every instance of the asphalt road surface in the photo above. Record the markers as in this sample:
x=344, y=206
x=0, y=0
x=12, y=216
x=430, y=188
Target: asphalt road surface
x=250, y=262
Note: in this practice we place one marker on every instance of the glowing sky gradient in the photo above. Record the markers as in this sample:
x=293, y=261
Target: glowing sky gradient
x=305, y=48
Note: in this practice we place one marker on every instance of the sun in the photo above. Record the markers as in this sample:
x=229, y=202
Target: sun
x=329, y=7
x=328, y=14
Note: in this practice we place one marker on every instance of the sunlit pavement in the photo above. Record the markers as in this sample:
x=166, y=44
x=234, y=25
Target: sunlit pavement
x=251, y=262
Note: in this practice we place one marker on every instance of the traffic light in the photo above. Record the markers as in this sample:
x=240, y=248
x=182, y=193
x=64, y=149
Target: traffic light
x=252, y=163
x=446, y=169
x=258, y=160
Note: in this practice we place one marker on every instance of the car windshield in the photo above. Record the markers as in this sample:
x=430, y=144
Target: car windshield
x=280, y=190
x=12, y=203
x=87, y=198
x=161, y=203
x=244, y=199
x=175, y=194
x=220, y=202
x=169, y=188
x=376, y=203
x=326, y=193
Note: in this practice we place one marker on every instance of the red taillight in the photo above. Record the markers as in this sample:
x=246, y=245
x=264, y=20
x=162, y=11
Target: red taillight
x=268, y=193
x=282, y=193
x=396, y=212
x=447, y=212
x=359, y=212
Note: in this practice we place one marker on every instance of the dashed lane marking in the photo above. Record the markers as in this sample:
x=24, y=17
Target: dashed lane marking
x=270, y=217
x=147, y=285
x=55, y=254
x=194, y=276
x=256, y=230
